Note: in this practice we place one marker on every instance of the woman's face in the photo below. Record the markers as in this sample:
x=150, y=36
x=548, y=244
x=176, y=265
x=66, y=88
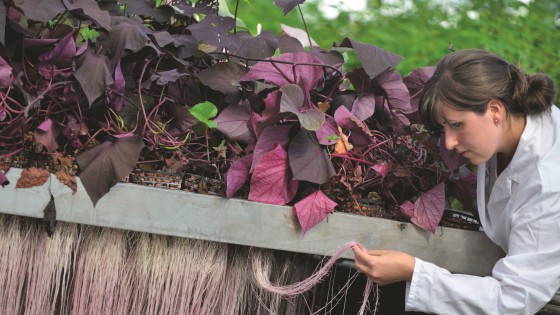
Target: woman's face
x=473, y=135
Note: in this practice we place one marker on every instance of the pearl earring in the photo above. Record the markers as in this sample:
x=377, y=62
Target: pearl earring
x=495, y=122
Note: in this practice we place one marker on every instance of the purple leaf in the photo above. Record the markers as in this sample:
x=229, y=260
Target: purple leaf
x=397, y=95
x=270, y=115
x=260, y=47
x=93, y=75
x=281, y=74
x=237, y=174
x=233, y=121
x=183, y=120
x=164, y=77
x=6, y=75
x=345, y=119
x=90, y=8
x=213, y=30
x=223, y=77
x=292, y=101
x=382, y=168
x=3, y=179
x=288, y=44
x=364, y=106
x=107, y=163
x=287, y=5
x=62, y=53
x=429, y=207
x=40, y=10
x=270, y=181
x=407, y=208
x=127, y=35
x=46, y=134
x=374, y=59
x=271, y=137
x=415, y=82
x=308, y=160
x=313, y=209
x=117, y=89
x=327, y=134
x=161, y=13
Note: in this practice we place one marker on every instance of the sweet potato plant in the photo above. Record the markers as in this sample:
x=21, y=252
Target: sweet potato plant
x=181, y=87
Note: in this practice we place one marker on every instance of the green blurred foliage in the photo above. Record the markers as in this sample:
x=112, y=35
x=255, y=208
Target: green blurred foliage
x=525, y=34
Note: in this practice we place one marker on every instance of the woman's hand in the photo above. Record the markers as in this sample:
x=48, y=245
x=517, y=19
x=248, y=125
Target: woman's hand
x=384, y=266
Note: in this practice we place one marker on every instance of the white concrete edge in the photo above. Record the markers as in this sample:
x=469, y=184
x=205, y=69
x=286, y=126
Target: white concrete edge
x=184, y=214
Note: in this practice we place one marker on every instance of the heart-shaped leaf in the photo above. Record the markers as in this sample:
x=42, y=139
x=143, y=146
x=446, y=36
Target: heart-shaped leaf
x=237, y=174
x=429, y=207
x=308, y=160
x=204, y=112
x=292, y=101
x=313, y=209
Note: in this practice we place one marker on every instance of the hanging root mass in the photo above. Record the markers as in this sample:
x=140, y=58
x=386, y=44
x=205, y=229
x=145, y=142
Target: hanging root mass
x=92, y=270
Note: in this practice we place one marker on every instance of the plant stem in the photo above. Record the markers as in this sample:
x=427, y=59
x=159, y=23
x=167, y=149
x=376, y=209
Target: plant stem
x=305, y=26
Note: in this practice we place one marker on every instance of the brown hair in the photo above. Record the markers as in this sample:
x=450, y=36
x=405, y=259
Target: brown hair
x=468, y=79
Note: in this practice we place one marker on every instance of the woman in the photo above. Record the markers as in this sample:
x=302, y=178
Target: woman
x=503, y=121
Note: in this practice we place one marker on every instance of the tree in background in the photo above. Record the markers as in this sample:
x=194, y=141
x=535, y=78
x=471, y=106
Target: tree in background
x=423, y=31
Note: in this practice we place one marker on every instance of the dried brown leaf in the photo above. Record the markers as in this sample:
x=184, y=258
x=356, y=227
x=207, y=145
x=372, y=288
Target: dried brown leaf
x=31, y=177
x=68, y=180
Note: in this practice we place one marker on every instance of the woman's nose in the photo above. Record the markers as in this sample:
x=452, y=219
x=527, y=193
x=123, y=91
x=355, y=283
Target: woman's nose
x=450, y=140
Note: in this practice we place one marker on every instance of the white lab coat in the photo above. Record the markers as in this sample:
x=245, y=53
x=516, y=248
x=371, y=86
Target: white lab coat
x=519, y=211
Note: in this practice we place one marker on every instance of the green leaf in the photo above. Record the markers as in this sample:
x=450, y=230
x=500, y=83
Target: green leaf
x=88, y=34
x=204, y=112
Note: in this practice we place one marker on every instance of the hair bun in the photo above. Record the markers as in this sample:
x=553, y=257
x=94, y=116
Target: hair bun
x=540, y=93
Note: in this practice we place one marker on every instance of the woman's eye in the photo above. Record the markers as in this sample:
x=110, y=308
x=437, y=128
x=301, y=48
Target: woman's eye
x=456, y=125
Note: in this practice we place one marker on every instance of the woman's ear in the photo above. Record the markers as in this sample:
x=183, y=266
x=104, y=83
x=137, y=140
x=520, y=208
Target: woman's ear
x=497, y=111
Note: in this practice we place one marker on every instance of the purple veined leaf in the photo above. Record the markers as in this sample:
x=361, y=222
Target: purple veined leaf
x=281, y=74
x=308, y=160
x=222, y=77
x=287, y=5
x=107, y=163
x=382, y=168
x=288, y=44
x=345, y=119
x=327, y=134
x=292, y=101
x=300, y=35
x=429, y=207
x=46, y=134
x=374, y=59
x=237, y=174
x=6, y=75
x=40, y=10
x=451, y=158
x=270, y=181
x=415, y=82
x=397, y=94
x=3, y=179
x=62, y=53
x=90, y=8
x=233, y=121
x=271, y=137
x=407, y=208
x=364, y=106
x=93, y=75
x=313, y=209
